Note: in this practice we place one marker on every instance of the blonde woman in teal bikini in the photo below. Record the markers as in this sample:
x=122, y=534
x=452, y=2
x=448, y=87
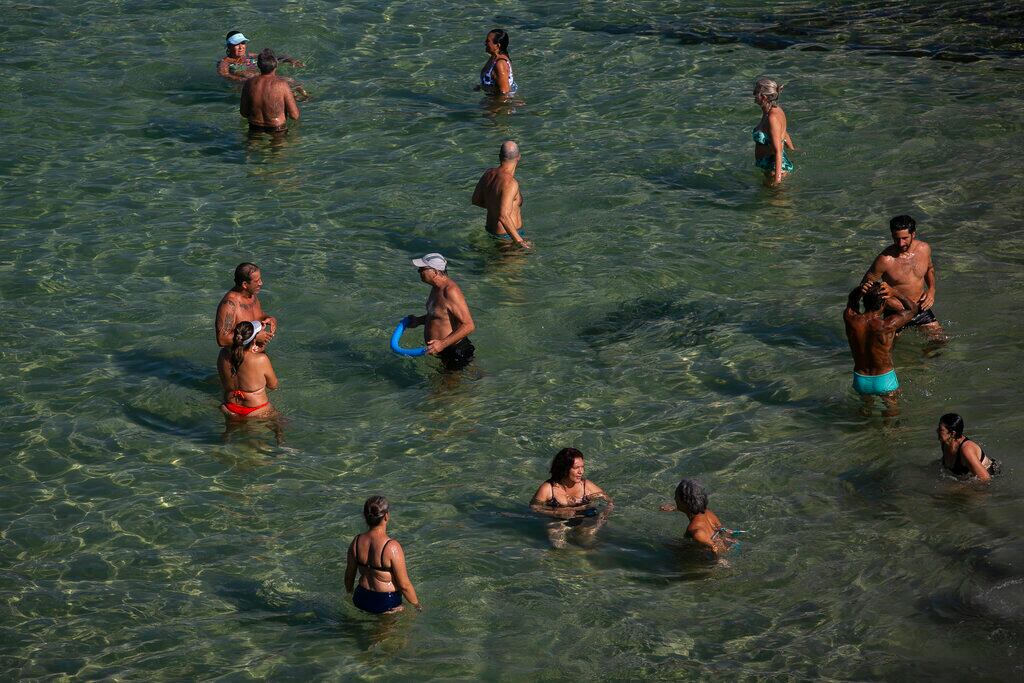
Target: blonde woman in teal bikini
x=770, y=135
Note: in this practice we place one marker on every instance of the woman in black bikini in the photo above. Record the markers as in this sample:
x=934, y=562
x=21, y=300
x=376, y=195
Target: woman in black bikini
x=567, y=495
x=960, y=455
x=380, y=561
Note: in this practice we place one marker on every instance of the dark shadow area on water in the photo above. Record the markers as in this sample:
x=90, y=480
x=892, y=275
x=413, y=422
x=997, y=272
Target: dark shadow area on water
x=212, y=141
x=311, y=614
x=660, y=562
x=173, y=369
x=342, y=361
x=907, y=30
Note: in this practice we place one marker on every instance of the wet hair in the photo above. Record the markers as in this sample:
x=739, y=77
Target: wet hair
x=509, y=150
x=266, y=61
x=374, y=510
x=243, y=331
x=769, y=88
x=243, y=273
x=902, y=223
x=953, y=423
x=691, y=496
x=501, y=39
x=873, y=298
x=562, y=463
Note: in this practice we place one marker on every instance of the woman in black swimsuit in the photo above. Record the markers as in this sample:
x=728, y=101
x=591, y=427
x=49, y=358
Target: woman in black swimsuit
x=567, y=496
x=380, y=562
x=960, y=455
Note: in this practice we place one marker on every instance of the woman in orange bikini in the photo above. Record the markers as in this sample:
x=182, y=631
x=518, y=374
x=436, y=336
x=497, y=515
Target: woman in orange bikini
x=246, y=374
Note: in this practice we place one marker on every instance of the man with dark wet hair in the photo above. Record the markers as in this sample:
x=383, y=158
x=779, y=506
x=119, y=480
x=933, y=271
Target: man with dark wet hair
x=267, y=99
x=242, y=303
x=906, y=266
x=498, y=192
x=871, y=336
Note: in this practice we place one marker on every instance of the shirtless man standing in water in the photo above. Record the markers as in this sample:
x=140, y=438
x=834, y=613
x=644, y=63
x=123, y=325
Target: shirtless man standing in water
x=448, y=321
x=871, y=336
x=906, y=266
x=242, y=303
x=267, y=99
x=498, y=192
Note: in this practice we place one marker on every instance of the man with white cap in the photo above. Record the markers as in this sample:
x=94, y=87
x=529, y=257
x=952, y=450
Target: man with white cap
x=448, y=322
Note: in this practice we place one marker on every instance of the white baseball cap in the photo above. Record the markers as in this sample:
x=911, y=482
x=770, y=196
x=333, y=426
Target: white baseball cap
x=435, y=261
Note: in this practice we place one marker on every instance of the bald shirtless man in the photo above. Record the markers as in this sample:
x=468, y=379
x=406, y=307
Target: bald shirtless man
x=906, y=266
x=498, y=192
x=267, y=99
x=242, y=303
x=871, y=336
x=448, y=322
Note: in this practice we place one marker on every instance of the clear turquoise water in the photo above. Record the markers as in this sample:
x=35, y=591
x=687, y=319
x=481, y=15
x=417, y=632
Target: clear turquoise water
x=676, y=319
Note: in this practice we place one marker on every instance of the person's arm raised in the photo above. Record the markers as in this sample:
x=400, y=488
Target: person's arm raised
x=401, y=574
x=901, y=318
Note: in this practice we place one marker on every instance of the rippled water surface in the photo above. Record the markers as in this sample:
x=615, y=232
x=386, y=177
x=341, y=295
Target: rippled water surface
x=677, y=318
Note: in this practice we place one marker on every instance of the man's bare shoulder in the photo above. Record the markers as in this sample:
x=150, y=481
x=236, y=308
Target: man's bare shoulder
x=923, y=246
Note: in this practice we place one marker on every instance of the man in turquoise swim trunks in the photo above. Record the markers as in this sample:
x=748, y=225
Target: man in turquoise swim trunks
x=871, y=335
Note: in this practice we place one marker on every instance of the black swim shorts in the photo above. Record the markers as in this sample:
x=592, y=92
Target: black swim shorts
x=457, y=356
x=923, y=318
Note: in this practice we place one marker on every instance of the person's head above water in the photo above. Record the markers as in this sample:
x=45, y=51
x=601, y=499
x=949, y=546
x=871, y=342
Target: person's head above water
x=768, y=89
x=235, y=44
x=247, y=278
x=509, y=151
x=497, y=38
x=563, y=463
x=691, y=497
x=266, y=61
x=431, y=264
x=244, y=336
x=375, y=509
x=951, y=426
x=873, y=299
x=234, y=38
x=903, y=229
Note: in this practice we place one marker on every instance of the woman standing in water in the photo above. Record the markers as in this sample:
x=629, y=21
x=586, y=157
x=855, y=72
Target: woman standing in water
x=380, y=562
x=770, y=136
x=245, y=364
x=568, y=495
x=960, y=455
x=496, y=76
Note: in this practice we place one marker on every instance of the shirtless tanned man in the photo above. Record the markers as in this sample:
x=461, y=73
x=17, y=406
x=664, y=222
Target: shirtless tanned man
x=871, y=335
x=242, y=303
x=906, y=266
x=498, y=192
x=448, y=322
x=267, y=99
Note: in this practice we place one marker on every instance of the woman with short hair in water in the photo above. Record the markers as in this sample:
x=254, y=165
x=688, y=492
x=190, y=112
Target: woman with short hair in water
x=704, y=527
x=960, y=455
x=246, y=373
x=380, y=562
x=770, y=135
x=496, y=76
x=568, y=495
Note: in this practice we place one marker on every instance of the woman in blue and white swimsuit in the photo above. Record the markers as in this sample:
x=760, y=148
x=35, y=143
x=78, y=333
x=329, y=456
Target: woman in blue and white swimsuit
x=770, y=136
x=496, y=76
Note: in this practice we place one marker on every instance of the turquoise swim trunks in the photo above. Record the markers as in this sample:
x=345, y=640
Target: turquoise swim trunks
x=767, y=164
x=876, y=385
x=506, y=236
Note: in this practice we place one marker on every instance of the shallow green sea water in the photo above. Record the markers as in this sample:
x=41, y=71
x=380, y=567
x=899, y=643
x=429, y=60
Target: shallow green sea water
x=676, y=318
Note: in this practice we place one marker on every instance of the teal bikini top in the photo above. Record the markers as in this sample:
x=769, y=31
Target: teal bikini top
x=760, y=137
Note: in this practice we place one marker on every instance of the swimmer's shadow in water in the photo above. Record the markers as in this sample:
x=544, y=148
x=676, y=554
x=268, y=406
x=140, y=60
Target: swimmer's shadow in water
x=212, y=140
x=343, y=361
